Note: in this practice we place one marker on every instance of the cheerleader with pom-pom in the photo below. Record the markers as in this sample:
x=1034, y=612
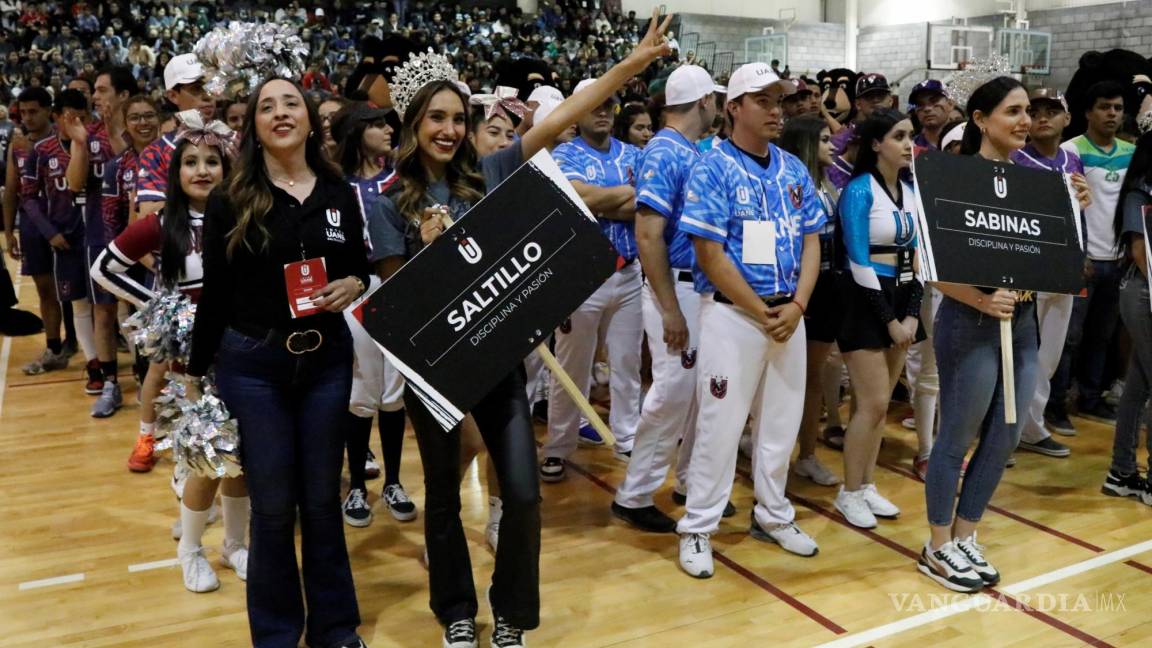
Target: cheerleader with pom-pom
x=171, y=239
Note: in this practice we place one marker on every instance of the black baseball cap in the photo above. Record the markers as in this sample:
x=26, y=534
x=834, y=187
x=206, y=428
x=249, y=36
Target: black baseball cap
x=356, y=112
x=868, y=83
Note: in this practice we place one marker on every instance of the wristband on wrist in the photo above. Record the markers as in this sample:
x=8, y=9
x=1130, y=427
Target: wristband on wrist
x=803, y=309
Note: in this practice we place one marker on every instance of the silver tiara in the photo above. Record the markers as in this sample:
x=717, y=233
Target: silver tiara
x=418, y=71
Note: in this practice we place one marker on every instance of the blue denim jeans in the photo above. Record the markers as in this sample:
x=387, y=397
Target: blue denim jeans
x=1090, y=331
x=1137, y=315
x=290, y=408
x=967, y=346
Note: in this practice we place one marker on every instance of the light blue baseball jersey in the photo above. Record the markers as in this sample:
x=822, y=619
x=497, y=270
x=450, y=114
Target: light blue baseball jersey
x=664, y=167
x=727, y=188
x=611, y=168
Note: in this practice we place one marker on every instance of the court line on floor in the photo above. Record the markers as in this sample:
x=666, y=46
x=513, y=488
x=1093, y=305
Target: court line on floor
x=48, y=582
x=1025, y=521
x=912, y=555
x=155, y=564
x=734, y=566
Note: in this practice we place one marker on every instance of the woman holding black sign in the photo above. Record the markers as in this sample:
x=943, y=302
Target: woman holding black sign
x=881, y=299
x=284, y=254
x=1124, y=479
x=439, y=177
x=967, y=345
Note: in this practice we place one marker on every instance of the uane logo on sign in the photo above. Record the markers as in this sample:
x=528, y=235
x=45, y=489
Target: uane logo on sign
x=1000, y=185
x=470, y=250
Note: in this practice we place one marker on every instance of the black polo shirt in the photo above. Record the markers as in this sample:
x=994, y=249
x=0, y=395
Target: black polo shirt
x=247, y=291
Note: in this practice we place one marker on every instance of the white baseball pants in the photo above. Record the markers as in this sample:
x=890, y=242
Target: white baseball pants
x=743, y=371
x=1053, y=313
x=614, y=309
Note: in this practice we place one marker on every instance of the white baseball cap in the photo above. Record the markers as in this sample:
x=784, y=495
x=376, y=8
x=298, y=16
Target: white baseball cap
x=583, y=84
x=319, y=11
x=546, y=92
x=182, y=69
x=547, y=105
x=754, y=77
x=954, y=135
x=689, y=83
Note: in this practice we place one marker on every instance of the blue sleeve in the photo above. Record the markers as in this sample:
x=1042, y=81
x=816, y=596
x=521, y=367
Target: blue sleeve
x=658, y=180
x=855, y=206
x=1134, y=204
x=706, y=210
x=567, y=156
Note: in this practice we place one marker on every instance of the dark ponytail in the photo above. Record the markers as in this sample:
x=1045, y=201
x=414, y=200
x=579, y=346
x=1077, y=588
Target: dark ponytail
x=985, y=99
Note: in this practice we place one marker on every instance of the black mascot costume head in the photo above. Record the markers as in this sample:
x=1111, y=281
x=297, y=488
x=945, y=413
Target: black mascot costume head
x=1128, y=68
x=524, y=74
x=838, y=91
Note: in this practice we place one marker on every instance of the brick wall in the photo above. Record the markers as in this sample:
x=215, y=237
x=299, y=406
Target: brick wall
x=1080, y=29
x=811, y=46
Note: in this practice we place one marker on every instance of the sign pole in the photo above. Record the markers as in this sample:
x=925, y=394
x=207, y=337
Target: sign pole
x=1008, y=371
x=577, y=396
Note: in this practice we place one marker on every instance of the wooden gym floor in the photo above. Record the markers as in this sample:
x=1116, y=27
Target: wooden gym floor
x=86, y=557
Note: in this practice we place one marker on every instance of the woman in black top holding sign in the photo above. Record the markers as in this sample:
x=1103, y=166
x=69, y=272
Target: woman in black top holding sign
x=438, y=174
x=967, y=345
x=286, y=220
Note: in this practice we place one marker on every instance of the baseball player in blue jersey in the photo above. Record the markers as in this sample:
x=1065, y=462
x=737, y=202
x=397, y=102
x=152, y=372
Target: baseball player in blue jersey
x=752, y=212
x=671, y=305
x=603, y=171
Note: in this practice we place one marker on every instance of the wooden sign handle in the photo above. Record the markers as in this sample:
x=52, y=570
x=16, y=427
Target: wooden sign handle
x=1008, y=370
x=574, y=392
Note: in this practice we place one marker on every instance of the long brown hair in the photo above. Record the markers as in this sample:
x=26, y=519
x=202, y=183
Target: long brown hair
x=464, y=181
x=248, y=187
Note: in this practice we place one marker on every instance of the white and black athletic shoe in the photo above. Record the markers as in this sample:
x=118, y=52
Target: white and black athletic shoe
x=461, y=634
x=552, y=470
x=1118, y=485
x=399, y=505
x=357, y=513
x=504, y=634
x=949, y=567
x=975, y=555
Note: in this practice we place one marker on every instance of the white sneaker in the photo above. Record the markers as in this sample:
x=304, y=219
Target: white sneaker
x=198, y=573
x=879, y=504
x=949, y=567
x=975, y=555
x=696, y=555
x=235, y=557
x=789, y=536
x=492, y=529
x=854, y=507
x=811, y=468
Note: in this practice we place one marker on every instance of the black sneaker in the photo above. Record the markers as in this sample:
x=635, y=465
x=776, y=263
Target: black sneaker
x=648, y=518
x=1099, y=411
x=552, y=470
x=1118, y=485
x=681, y=500
x=357, y=513
x=1059, y=423
x=461, y=634
x=504, y=634
x=1047, y=446
x=399, y=505
x=949, y=567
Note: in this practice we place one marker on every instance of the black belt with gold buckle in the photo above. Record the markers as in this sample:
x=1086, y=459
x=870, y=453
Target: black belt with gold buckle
x=306, y=341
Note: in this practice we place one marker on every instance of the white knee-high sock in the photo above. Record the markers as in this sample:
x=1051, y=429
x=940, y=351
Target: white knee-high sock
x=192, y=525
x=237, y=512
x=85, y=327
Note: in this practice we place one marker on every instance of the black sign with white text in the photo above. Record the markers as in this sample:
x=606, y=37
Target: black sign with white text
x=467, y=309
x=997, y=225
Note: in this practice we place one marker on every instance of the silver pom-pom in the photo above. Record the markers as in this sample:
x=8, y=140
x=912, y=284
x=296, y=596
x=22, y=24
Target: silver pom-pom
x=162, y=330
x=202, y=435
x=238, y=57
x=976, y=73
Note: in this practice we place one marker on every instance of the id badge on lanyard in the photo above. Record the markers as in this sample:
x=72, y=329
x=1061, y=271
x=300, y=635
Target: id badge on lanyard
x=759, y=247
x=303, y=279
x=904, y=272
